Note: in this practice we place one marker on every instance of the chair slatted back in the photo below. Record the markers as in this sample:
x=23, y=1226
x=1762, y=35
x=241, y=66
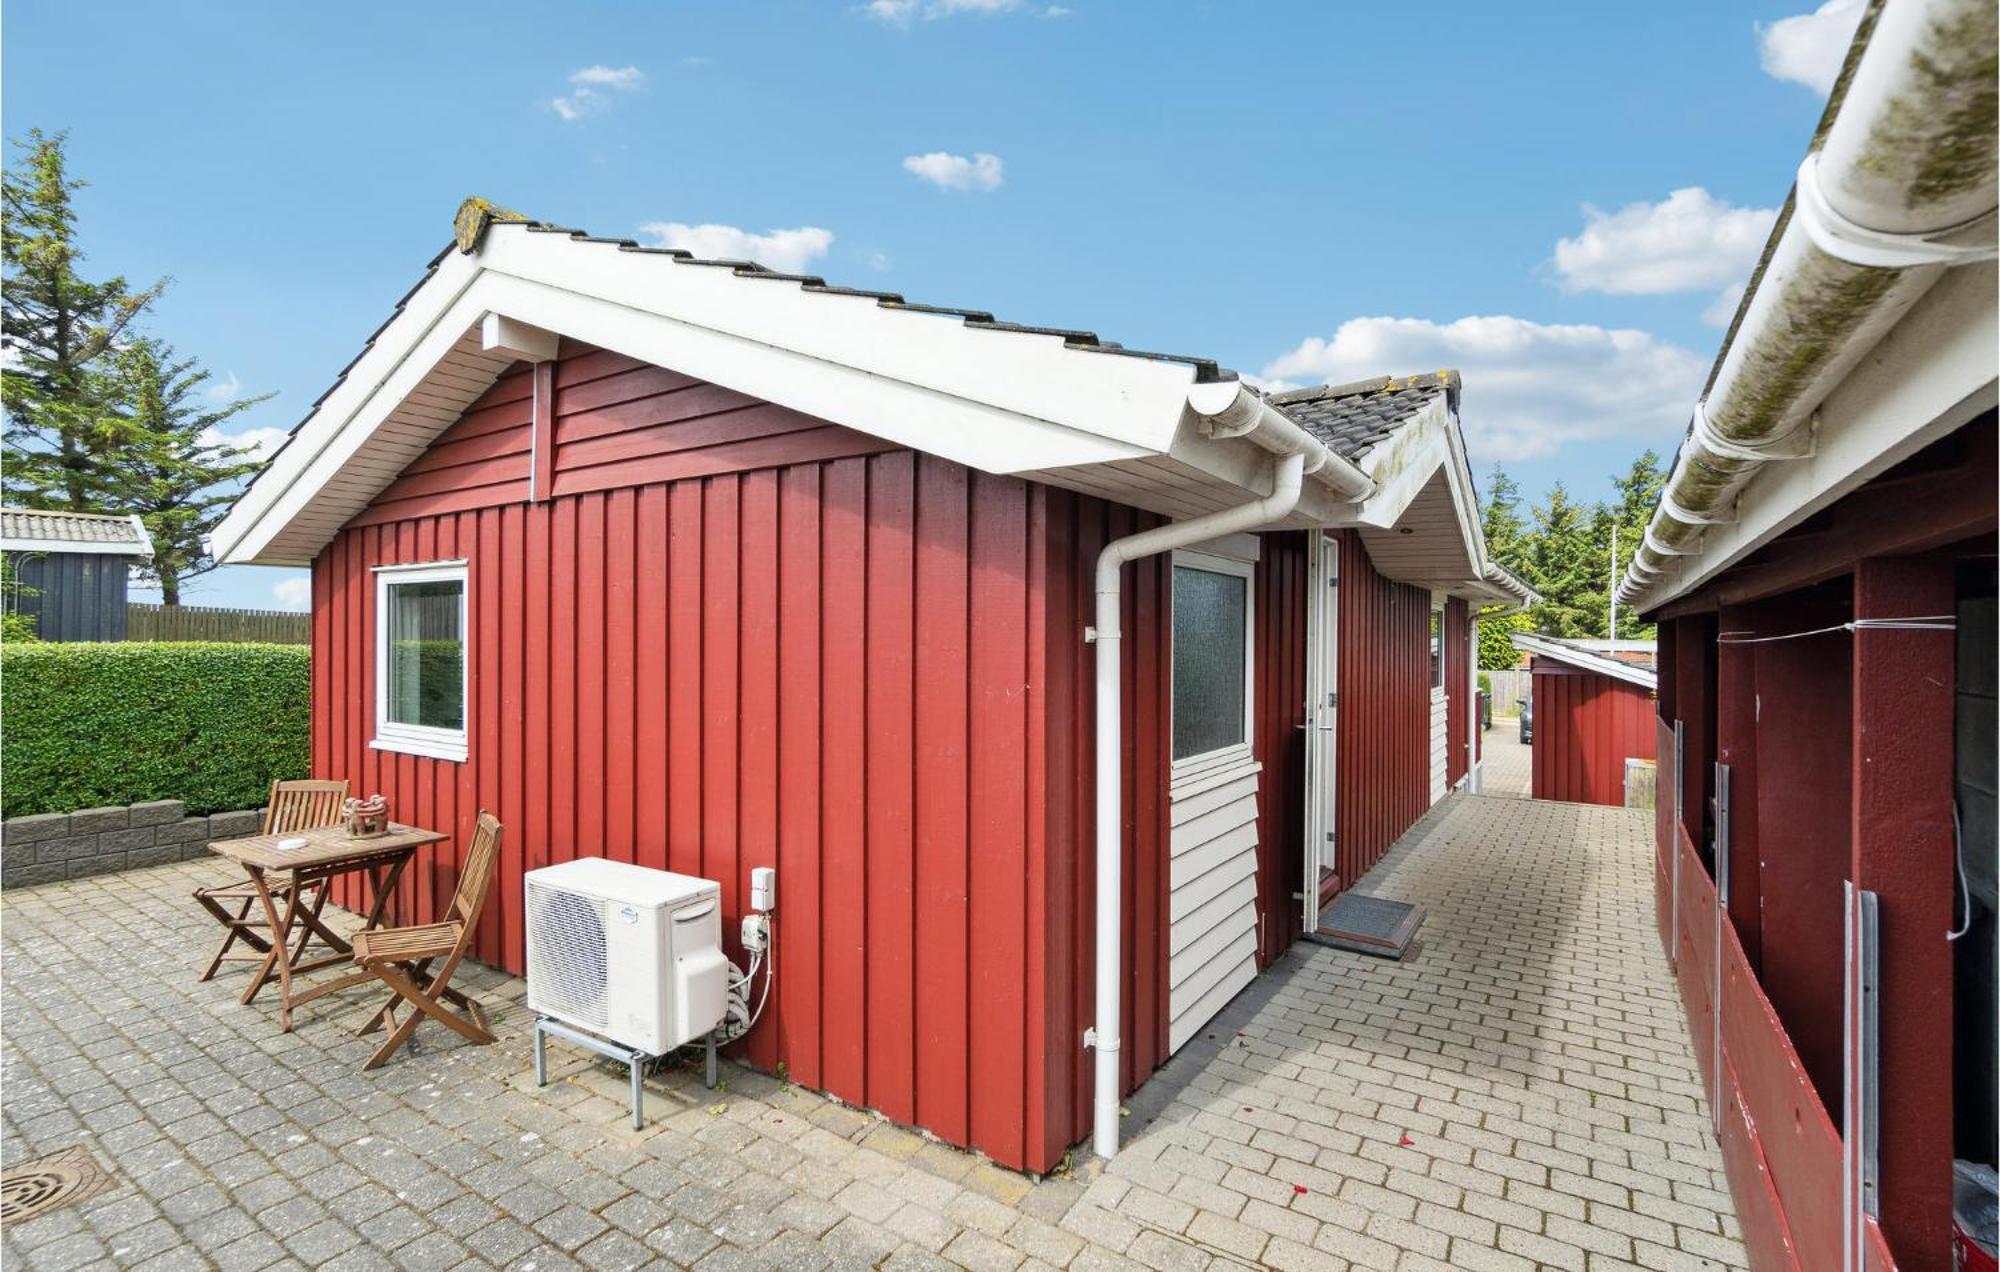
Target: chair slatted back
x=303, y=805
x=475, y=879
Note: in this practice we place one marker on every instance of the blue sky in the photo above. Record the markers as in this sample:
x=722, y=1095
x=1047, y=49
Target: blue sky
x=1556, y=198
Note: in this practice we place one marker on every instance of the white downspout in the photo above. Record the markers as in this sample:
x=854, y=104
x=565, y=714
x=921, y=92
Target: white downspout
x=1231, y=411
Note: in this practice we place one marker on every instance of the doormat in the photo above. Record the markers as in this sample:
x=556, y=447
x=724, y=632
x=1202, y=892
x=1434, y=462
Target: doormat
x=1368, y=925
x=49, y=1183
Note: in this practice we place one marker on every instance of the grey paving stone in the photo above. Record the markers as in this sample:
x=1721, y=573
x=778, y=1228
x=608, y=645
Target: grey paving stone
x=569, y=1227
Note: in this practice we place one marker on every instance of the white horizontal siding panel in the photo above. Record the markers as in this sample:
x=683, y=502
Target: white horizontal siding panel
x=1207, y=886
x=1212, y=897
x=1235, y=969
x=1210, y=928
x=1199, y=859
x=1216, y=822
x=1196, y=799
x=1438, y=743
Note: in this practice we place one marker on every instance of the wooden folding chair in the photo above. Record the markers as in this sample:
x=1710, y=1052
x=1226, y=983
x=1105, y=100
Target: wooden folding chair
x=401, y=957
x=293, y=806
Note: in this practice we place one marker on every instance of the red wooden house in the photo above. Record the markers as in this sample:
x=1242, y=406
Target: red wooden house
x=1594, y=710
x=1822, y=569
x=701, y=566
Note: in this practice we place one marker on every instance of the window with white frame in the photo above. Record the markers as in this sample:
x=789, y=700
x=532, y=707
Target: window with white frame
x=1212, y=651
x=1437, y=649
x=420, y=659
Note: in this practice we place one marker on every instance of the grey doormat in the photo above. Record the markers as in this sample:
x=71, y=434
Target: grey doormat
x=1368, y=925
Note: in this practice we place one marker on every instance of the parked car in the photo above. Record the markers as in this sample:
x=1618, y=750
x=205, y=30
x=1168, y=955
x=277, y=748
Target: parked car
x=1527, y=706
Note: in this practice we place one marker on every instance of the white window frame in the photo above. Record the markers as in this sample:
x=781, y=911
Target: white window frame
x=1443, y=657
x=1236, y=556
x=419, y=739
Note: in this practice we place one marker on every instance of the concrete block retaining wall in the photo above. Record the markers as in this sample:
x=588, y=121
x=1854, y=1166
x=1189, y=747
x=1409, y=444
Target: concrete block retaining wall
x=54, y=846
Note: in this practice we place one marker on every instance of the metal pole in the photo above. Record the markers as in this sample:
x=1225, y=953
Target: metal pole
x=1613, y=632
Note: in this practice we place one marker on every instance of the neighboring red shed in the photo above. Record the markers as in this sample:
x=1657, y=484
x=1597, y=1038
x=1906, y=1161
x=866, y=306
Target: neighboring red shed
x=706, y=568
x=1593, y=710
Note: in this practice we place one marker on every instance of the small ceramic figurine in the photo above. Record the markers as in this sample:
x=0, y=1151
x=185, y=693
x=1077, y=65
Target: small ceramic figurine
x=366, y=818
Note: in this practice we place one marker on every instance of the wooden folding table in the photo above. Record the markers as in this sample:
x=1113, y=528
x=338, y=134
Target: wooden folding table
x=327, y=851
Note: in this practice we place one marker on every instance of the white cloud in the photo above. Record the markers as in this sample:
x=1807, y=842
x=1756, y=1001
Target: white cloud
x=901, y=11
x=1689, y=241
x=947, y=171
x=880, y=262
x=293, y=594
x=1808, y=48
x=256, y=443
x=787, y=251
x=593, y=87
x=1530, y=388
x=224, y=390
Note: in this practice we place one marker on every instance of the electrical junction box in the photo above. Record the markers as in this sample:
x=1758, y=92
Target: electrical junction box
x=763, y=888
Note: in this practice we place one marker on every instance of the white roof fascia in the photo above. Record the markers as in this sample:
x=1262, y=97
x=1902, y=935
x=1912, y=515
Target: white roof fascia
x=1602, y=664
x=1134, y=400
x=1927, y=377
x=999, y=401
x=968, y=430
x=419, y=330
x=75, y=548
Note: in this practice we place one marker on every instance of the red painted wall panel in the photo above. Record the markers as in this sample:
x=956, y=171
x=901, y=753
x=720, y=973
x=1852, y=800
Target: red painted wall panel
x=1586, y=726
x=1281, y=740
x=866, y=670
x=1383, y=761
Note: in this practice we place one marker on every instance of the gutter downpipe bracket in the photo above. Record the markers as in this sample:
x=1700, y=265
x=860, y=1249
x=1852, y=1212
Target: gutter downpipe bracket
x=1296, y=452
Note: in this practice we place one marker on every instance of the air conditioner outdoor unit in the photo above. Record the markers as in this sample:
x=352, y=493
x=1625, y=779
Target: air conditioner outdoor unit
x=628, y=953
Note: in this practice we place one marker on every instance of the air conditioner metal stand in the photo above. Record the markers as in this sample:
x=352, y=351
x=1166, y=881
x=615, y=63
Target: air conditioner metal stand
x=635, y=1061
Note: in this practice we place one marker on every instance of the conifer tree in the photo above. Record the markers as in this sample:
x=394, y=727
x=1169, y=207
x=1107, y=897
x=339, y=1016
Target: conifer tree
x=169, y=462
x=59, y=332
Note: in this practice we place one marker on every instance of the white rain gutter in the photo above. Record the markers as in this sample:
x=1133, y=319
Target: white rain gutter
x=1898, y=187
x=1223, y=409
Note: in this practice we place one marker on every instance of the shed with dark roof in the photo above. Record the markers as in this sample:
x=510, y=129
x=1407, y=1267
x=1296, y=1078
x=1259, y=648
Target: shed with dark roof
x=70, y=571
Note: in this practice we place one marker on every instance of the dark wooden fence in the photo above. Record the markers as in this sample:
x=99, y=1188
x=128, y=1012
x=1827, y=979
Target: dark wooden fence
x=191, y=622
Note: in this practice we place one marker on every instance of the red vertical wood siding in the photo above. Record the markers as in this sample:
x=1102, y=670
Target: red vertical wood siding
x=1458, y=691
x=863, y=666
x=1076, y=529
x=1384, y=752
x=1586, y=727
x=1902, y=843
x=1280, y=714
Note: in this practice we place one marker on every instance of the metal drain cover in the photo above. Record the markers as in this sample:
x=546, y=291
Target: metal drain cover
x=49, y=1183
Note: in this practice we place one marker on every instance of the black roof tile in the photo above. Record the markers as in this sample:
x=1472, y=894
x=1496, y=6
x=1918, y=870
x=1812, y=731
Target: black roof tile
x=1352, y=418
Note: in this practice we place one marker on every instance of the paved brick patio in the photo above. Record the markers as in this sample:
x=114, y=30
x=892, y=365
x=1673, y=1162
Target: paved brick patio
x=1518, y=1092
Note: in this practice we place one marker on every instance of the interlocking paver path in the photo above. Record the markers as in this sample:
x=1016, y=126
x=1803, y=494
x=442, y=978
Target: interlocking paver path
x=1506, y=767
x=1519, y=1091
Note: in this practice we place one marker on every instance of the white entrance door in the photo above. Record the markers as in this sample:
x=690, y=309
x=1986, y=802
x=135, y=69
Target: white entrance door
x=1322, y=704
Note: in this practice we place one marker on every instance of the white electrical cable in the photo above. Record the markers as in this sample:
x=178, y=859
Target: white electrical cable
x=1922, y=623
x=1964, y=888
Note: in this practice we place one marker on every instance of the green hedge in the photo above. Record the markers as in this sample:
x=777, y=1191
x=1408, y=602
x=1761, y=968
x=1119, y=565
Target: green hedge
x=84, y=725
